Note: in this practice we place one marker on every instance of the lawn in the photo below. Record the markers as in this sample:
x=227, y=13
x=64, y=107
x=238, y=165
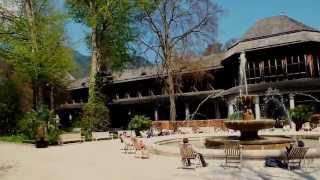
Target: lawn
x=13, y=138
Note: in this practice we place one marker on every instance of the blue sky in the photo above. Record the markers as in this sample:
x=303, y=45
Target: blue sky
x=238, y=17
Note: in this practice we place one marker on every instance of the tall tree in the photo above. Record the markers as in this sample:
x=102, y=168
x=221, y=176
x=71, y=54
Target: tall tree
x=32, y=42
x=173, y=27
x=111, y=32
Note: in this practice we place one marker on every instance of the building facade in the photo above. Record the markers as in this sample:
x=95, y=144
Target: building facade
x=282, y=57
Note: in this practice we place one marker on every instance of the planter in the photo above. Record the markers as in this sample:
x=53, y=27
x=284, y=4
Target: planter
x=42, y=143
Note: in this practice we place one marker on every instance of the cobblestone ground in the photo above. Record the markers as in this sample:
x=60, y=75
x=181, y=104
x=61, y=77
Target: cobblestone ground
x=103, y=160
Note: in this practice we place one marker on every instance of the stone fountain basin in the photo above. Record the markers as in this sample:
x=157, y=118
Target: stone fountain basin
x=250, y=125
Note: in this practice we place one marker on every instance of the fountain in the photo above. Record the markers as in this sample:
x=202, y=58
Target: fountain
x=247, y=125
x=245, y=121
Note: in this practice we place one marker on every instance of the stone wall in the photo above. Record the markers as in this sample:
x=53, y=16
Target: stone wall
x=217, y=123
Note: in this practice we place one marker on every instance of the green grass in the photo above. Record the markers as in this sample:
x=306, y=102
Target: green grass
x=13, y=138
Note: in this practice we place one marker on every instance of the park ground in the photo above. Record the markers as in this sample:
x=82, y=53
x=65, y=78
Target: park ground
x=104, y=160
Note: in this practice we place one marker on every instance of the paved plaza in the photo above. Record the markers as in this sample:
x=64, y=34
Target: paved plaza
x=103, y=160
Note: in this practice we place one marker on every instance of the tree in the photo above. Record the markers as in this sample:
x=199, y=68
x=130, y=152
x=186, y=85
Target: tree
x=9, y=105
x=300, y=115
x=229, y=43
x=213, y=48
x=32, y=42
x=111, y=33
x=173, y=27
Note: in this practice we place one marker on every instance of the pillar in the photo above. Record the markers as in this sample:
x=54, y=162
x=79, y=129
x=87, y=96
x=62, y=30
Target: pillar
x=187, y=112
x=230, y=106
x=217, y=110
x=156, y=115
x=291, y=101
x=257, y=107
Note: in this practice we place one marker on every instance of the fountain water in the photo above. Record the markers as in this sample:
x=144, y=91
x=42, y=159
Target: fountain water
x=242, y=74
x=245, y=122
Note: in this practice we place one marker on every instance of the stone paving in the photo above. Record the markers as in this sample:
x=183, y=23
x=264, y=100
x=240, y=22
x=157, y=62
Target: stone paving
x=103, y=160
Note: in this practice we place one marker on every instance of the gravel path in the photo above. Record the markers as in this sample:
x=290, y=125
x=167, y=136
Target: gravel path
x=104, y=161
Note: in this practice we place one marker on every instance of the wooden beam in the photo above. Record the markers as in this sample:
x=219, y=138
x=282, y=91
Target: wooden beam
x=318, y=65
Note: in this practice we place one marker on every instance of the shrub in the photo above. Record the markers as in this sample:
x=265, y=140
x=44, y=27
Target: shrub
x=10, y=110
x=95, y=117
x=236, y=116
x=40, y=124
x=300, y=115
x=139, y=123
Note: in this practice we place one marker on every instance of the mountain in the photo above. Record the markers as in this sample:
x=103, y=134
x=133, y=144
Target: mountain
x=136, y=62
x=83, y=64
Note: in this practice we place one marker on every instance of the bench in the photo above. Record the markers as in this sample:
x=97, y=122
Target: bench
x=70, y=137
x=101, y=135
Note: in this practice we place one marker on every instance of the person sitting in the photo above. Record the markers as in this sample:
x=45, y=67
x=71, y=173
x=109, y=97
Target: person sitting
x=186, y=144
x=298, y=143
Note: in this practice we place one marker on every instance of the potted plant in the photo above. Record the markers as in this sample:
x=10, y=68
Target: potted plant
x=139, y=123
x=300, y=115
x=41, y=136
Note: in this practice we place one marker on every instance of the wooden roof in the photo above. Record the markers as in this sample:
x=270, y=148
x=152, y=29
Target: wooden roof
x=273, y=26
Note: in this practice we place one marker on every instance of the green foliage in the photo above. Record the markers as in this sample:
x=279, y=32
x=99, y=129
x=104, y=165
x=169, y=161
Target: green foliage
x=9, y=106
x=95, y=117
x=40, y=124
x=139, y=123
x=300, y=115
x=19, y=138
x=111, y=21
x=37, y=49
x=236, y=116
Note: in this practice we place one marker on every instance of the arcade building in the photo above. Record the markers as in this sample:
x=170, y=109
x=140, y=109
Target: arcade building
x=281, y=54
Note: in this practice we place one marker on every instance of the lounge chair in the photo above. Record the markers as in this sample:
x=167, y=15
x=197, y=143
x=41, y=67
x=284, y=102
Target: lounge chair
x=295, y=156
x=233, y=154
x=142, y=152
x=188, y=155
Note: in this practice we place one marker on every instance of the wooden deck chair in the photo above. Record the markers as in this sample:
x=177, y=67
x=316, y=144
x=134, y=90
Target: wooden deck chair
x=295, y=156
x=128, y=146
x=233, y=154
x=142, y=153
x=188, y=155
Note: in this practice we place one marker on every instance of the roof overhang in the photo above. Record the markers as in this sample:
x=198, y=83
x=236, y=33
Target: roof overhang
x=274, y=41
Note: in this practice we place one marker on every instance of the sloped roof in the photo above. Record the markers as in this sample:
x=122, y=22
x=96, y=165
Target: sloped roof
x=273, y=26
x=198, y=63
x=273, y=32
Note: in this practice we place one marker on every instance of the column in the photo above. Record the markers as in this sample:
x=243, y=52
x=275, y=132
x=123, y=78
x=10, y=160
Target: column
x=230, y=106
x=156, y=115
x=217, y=110
x=257, y=107
x=187, y=112
x=291, y=101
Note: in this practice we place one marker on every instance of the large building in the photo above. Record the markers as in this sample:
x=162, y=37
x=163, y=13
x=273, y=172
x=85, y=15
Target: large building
x=281, y=53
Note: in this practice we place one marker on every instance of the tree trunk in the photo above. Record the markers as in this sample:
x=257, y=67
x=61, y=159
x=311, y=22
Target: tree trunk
x=51, y=98
x=94, y=62
x=34, y=96
x=33, y=38
x=172, y=98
